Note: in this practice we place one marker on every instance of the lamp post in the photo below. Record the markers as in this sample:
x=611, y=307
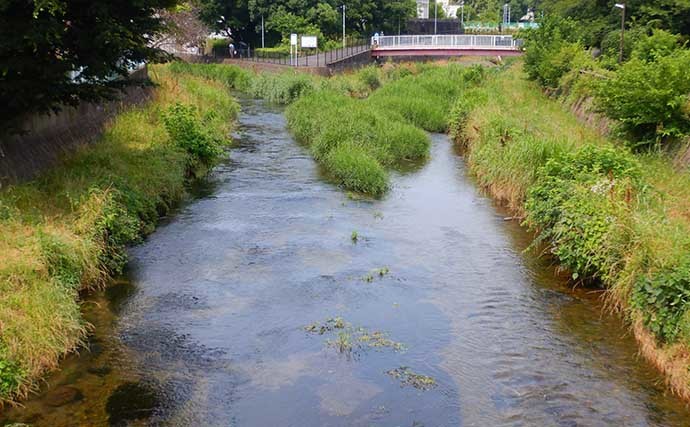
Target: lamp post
x=263, y=41
x=462, y=14
x=435, y=15
x=621, y=6
x=343, y=25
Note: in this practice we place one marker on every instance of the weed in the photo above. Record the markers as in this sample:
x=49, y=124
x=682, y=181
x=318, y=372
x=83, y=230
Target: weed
x=354, y=237
x=407, y=377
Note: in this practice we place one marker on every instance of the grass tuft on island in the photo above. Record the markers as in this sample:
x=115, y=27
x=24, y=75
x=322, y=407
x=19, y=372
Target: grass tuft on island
x=67, y=230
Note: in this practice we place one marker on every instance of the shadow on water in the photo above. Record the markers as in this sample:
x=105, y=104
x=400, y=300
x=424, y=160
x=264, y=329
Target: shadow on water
x=254, y=306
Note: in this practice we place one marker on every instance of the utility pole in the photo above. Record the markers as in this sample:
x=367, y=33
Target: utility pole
x=343, y=24
x=435, y=15
x=263, y=41
x=462, y=14
x=621, y=6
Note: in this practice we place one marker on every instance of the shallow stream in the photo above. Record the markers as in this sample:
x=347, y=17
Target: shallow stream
x=274, y=299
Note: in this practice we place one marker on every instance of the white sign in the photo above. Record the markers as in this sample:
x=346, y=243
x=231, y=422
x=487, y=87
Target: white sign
x=309, y=41
x=293, y=39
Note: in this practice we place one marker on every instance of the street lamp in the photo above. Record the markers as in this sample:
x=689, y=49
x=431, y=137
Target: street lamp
x=435, y=15
x=343, y=25
x=263, y=41
x=621, y=6
x=462, y=14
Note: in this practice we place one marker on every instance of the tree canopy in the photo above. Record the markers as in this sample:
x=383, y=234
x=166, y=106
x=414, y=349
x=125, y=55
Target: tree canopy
x=242, y=17
x=55, y=52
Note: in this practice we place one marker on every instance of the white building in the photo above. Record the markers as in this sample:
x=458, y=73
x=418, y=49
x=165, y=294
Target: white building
x=450, y=7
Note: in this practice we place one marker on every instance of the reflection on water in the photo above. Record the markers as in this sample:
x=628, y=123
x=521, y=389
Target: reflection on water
x=210, y=328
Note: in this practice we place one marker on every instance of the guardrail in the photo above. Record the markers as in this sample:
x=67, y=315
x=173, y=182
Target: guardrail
x=445, y=41
x=302, y=57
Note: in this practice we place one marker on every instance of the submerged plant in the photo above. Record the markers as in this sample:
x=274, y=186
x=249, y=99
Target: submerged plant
x=354, y=237
x=407, y=377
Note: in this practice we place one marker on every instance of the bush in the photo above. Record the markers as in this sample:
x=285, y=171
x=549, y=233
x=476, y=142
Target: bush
x=575, y=204
x=663, y=299
x=649, y=98
x=187, y=132
x=545, y=50
x=11, y=376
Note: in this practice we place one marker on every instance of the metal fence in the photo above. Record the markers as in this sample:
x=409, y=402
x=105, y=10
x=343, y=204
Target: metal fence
x=446, y=41
x=302, y=58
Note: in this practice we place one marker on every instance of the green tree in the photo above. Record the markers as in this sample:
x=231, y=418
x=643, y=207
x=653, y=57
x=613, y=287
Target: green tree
x=56, y=52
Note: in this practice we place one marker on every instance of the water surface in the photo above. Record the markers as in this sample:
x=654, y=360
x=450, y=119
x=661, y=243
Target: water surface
x=212, y=326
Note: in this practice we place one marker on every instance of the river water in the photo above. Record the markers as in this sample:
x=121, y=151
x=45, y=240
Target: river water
x=437, y=316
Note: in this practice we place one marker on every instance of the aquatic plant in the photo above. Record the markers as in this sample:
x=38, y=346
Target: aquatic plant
x=408, y=377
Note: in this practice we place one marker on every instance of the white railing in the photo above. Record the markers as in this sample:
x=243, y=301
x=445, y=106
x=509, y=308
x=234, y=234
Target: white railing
x=444, y=41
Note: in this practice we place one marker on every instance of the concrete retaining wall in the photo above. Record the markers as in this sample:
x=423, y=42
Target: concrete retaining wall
x=49, y=137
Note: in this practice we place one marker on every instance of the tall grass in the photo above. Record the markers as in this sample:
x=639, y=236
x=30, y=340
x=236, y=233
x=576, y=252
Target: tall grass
x=67, y=230
x=354, y=138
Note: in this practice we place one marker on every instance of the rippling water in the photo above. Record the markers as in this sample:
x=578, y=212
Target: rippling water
x=209, y=328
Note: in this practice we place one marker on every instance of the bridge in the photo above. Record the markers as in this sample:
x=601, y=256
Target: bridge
x=445, y=45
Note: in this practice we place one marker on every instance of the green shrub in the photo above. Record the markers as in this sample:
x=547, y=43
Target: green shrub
x=653, y=47
x=663, y=299
x=11, y=376
x=370, y=77
x=187, y=132
x=65, y=263
x=575, y=204
x=648, y=98
x=545, y=50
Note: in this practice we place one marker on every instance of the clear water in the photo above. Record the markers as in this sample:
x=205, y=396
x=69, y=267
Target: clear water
x=209, y=327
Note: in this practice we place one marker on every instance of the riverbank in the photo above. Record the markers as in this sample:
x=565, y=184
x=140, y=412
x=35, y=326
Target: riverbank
x=606, y=215
x=66, y=232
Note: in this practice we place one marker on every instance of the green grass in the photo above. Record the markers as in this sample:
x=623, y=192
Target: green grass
x=67, y=230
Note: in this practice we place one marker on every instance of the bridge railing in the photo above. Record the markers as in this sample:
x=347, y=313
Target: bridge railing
x=446, y=41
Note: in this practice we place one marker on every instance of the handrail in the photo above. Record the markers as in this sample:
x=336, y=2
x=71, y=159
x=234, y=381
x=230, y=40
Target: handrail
x=446, y=41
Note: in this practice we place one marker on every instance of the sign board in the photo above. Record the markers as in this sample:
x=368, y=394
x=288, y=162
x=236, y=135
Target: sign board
x=293, y=39
x=309, y=41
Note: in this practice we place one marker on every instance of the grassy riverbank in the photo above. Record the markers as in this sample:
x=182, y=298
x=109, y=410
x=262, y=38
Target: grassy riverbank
x=66, y=231
x=607, y=215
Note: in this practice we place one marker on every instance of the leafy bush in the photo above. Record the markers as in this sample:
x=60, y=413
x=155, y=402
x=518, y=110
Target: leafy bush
x=656, y=46
x=546, y=50
x=187, y=132
x=663, y=299
x=11, y=376
x=575, y=205
x=370, y=77
x=649, y=98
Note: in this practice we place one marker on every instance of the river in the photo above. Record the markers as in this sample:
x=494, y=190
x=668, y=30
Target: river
x=275, y=299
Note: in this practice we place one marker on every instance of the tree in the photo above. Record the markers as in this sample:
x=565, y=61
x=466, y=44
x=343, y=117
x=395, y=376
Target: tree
x=56, y=52
x=184, y=27
x=230, y=17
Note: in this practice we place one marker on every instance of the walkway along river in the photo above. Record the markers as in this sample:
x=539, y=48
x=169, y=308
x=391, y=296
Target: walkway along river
x=257, y=305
